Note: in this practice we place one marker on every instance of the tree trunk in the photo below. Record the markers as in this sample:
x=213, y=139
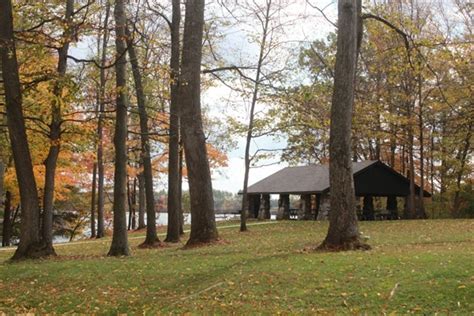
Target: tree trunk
x=411, y=206
x=7, y=220
x=151, y=235
x=94, y=186
x=55, y=134
x=29, y=246
x=461, y=157
x=173, y=229
x=119, y=245
x=203, y=225
x=420, y=213
x=100, y=128
x=248, y=141
x=180, y=187
x=141, y=201
x=343, y=233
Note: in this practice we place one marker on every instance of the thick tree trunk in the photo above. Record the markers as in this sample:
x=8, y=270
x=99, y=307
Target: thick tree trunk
x=203, y=225
x=151, y=235
x=29, y=246
x=343, y=233
x=119, y=245
x=100, y=128
x=173, y=229
x=94, y=187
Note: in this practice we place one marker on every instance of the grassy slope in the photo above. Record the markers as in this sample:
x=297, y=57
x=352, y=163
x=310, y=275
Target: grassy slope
x=263, y=271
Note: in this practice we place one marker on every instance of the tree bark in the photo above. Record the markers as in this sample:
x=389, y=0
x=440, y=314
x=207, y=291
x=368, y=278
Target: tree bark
x=100, y=128
x=420, y=213
x=180, y=187
x=141, y=201
x=119, y=245
x=7, y=220
x=343, y=232
x=94, y=187
x=173, y=229
x=203, y=225
x=29, y=246
x=462, y=158
x=151, y=235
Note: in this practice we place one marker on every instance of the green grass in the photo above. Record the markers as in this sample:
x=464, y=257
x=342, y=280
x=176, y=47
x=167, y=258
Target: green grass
x=264, y=271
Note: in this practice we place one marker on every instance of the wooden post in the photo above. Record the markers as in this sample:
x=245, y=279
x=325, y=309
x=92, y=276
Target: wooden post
x=264, y=212
x=392, y=206
x=307, y=215
x=318, y=205
x=286, y=206
x=261, y=209
x=368, y=209
x=283, y=207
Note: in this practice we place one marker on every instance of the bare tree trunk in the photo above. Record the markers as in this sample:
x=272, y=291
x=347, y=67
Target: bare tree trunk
x=141, y=201
x=411, y=207
x=343, y=233
x=420, y=212
x=100, y=128
x=29, y=246
x=151, y=235
x=203, y=224
x=261, y=57
x=119, y=245
x=94, y=187
x=173, y=229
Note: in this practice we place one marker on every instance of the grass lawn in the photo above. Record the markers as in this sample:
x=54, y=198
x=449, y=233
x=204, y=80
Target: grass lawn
x=414, y=267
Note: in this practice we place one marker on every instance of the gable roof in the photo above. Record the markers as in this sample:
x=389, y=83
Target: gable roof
x=299, y=180
x=371, y=177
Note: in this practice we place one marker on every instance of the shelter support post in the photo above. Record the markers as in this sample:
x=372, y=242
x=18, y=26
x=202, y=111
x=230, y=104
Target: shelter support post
x=317, y=206
x=283, y=207
x=368, y=209
x=266, y=206
x=256, y=206
x=392, y=206
x=306, y=205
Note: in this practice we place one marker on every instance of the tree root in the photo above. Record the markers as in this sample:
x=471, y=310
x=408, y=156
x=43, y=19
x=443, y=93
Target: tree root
x=343, y=245
x=151, y=245
x=34, y=251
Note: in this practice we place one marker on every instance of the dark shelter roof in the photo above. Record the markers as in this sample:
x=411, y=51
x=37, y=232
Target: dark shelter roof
x=370, y=178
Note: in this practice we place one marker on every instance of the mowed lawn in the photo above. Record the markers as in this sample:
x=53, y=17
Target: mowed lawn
x=415, y=267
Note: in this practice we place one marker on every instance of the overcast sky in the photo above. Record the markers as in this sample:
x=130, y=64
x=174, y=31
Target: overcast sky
x=306, y=24
x=303, y=24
